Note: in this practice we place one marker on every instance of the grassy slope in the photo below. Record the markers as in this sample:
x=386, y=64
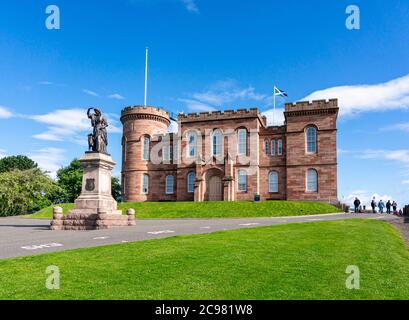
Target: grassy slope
x=297, y=261
x=149, y=210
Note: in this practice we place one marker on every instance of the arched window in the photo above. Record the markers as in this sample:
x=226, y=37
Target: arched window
x=273, y=147
x=280, y=147
x=167, y=152
x=311, y=139
x=242, y=142
x=273, y=182
x=145, y=148
x=192, y=144
x=145, y=184
x=170, y=184
x=266, y=147
x=312, y=180
x=217, y=143
x=191, y=182
x=242, y=181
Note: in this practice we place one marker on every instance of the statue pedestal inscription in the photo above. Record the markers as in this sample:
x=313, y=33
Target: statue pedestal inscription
x=95, y=208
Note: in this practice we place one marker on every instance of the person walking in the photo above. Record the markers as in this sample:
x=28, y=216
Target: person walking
x=357, y=203
x=395, y=207
x=381, y=206
x=388, y=207
x=373, y=205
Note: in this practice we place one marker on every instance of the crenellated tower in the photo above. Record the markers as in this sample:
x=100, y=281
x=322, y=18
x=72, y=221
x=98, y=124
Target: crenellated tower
x=141, y=128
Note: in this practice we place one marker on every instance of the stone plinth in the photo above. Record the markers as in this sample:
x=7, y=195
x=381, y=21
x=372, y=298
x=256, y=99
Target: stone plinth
x=95, y=208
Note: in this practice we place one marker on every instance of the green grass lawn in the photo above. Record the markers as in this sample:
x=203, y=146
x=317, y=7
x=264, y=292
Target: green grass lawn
x=296, y=261
x=156, y=210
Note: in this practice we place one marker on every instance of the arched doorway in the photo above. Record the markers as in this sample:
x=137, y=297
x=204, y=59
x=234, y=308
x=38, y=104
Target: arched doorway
x=214, y=185
x=215, y=189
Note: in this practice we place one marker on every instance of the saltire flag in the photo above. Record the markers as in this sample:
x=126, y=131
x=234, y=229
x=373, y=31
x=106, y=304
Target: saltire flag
x=279, y=92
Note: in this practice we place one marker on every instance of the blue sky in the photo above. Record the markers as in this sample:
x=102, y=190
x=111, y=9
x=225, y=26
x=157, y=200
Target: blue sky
x=204, y=55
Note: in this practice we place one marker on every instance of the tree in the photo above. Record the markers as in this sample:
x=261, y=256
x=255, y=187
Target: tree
x=70, y=180
x=16, y=163
x=23, y=192
x=116, y=189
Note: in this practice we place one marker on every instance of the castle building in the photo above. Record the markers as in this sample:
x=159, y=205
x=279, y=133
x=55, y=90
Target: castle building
x=231, y=155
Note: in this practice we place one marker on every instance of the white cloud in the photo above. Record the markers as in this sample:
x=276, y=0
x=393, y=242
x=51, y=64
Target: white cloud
x=228, y=91
x=3, y=153
x=91, y=93
x=278, y=117
x=46, y=83
x=356, y=99
x=191, y=5
x=5, y=113
x=116, y=96
x=401, y=156
x=195, y=105
x=69, y=124
x=174, y=127
x=49, y=159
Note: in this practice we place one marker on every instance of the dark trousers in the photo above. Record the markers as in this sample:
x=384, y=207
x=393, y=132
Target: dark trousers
x=356, y=209
x=373, y=210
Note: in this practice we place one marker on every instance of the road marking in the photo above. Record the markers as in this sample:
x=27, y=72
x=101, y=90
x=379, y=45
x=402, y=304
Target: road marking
x=100, y=238
x=161, y=232
x=248, y=224
x=124, y=241
x=205, y=227
x=42, y=246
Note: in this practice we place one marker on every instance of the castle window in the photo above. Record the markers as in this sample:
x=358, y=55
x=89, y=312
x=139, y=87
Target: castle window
x=145, y=184
x=312, y=180
x=273, y=147
x=192, y=144
x=167, y=153
x=191, y=182
x=311, y=140
x=280, y=147
x=266, y=147
x=217, y=143
x=170, y=184
x=170, y=149
x=242, y=181
x=145, y=149
x=242, y=142
x=273, y=182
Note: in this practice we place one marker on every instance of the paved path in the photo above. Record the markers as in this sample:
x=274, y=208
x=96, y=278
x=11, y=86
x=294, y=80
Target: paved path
x=24, y=237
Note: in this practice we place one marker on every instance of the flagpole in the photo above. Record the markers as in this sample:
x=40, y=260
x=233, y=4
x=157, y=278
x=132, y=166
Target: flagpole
x=146, y=76
x=274, y=111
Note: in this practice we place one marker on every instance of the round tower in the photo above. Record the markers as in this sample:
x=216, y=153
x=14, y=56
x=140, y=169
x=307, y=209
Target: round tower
x=140, y=127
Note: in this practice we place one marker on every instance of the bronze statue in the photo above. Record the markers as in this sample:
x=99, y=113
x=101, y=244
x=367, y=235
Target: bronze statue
x=98, y=140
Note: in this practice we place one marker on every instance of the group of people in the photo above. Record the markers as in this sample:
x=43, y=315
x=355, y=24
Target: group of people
x=391, y=207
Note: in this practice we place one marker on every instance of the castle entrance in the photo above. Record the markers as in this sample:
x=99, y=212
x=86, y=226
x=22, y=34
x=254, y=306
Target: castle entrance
x=214, y=185
x=215, y=189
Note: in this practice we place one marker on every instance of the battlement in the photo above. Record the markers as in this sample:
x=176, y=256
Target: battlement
x=222, y=115
x=145, y=112
x=311, y=105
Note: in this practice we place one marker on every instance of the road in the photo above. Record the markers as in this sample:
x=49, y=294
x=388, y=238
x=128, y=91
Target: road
x=24, y=237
